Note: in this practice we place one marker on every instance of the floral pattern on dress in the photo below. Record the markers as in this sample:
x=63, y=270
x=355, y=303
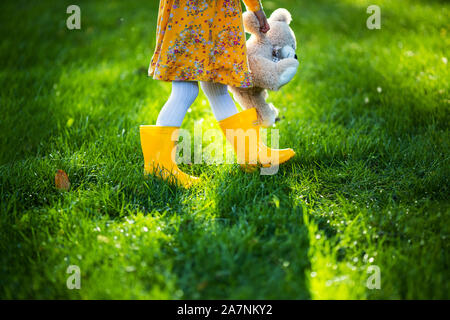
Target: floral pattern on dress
x=226, y=39
x=189, y=37
x=230, y=9
x=194, y=7
x=201, y=40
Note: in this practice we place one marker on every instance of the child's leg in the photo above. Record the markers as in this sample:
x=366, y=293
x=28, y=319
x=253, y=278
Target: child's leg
x=220, y=100
x=226, y=113
x=158, y=142
x=181, y=98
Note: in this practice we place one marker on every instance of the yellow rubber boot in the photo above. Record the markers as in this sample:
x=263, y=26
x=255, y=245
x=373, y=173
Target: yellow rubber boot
x=242, y=131
x=158, y=146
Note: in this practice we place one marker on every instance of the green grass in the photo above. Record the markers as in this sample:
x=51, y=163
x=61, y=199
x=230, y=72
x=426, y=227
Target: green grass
x=367, y=114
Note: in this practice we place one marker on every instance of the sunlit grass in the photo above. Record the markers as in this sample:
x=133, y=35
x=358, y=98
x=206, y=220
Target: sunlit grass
x=367, y=115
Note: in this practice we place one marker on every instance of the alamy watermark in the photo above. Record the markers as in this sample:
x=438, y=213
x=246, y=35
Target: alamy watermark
x=74, y=280
x=374, y=280
x=74, y=20
x=374, y=20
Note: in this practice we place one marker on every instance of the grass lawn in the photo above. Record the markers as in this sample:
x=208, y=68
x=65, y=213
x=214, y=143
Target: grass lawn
x=367, y=114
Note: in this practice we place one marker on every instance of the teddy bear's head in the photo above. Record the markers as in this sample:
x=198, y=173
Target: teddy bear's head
x=280, y=34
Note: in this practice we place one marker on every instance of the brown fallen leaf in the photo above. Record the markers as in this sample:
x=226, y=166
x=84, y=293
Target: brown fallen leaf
x=62, y=180
x=202, y=285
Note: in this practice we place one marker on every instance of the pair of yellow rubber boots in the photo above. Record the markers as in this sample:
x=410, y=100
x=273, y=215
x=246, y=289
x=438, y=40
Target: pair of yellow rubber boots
x=159, y=145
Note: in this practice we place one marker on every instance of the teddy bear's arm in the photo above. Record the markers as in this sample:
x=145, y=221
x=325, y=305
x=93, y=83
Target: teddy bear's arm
x=253, y=5
x=272, y=75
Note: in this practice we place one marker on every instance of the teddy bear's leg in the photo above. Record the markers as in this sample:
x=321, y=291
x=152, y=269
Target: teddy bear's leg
x=267, y=113
x=256, y=98
x=242, y=97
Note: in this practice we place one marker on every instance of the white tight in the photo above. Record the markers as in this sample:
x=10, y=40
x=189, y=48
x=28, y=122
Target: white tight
x=184, y=94
x=220, y=100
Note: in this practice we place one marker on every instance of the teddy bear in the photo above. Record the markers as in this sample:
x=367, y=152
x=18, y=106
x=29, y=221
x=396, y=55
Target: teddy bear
x=272, y=63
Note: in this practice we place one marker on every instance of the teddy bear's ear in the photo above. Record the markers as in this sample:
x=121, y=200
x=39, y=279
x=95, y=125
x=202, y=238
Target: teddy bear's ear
x=282, y=15
x=251, y=23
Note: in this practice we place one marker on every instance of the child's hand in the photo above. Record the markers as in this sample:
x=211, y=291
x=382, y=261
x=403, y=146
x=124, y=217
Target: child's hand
x=264, y=24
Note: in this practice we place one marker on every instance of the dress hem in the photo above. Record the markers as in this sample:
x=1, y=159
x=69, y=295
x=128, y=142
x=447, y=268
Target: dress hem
x=200, y=78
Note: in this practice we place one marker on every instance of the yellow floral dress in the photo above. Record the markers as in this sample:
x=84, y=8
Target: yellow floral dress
x=202, y=40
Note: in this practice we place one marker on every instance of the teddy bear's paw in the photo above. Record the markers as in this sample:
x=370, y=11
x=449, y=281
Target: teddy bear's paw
x=287, y=75
x=270, y=118
x=287, y=52
x=268, y=122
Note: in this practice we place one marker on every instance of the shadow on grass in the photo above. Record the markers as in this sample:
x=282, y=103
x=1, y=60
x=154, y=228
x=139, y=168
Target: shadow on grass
x=251, y=244
x=29, y=74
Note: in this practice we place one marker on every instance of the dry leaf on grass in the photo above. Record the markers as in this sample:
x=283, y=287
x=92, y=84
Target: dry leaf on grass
x=62, y=180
